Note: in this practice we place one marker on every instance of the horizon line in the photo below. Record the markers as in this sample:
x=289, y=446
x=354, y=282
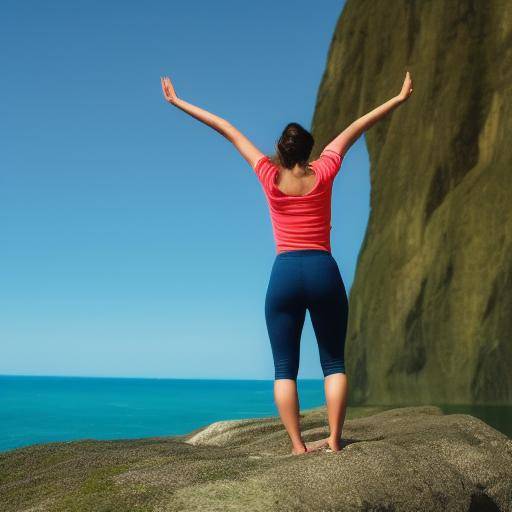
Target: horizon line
x=140, y=377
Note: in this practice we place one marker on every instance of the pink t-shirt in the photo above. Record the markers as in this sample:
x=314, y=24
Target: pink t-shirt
x=301, y=222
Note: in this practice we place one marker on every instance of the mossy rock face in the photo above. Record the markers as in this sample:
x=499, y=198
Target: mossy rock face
x=403, y=459
x=431, y=304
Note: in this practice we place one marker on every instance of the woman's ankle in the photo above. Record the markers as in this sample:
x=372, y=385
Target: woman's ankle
x=299, y=446
x=334, y=442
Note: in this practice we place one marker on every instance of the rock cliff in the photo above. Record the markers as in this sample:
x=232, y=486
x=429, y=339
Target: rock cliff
x=431, y=304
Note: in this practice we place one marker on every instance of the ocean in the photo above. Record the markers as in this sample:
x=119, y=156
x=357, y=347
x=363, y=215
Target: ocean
x=44, y=409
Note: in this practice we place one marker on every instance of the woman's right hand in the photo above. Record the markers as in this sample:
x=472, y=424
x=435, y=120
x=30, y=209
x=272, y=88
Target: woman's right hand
x=406, y=88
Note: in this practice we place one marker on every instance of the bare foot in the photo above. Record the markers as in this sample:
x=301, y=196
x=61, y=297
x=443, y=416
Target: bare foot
x=334, y=444
x=299, y=450
x=317, y=445
x=326, y=444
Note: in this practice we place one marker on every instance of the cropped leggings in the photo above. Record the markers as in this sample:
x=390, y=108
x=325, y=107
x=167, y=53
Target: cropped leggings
x=306, y=279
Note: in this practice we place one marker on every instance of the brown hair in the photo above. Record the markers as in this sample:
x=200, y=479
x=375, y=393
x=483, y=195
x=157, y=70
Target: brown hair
x=293, y=146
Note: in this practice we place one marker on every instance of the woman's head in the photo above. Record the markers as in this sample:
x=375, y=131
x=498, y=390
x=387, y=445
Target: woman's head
x=294, y=146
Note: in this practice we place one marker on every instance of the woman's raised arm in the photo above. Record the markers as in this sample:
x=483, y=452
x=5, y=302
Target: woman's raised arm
x=247, y=149
x=348, y=136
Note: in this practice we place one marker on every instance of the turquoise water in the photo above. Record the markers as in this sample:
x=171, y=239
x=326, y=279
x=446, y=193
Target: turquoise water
x=44, y=409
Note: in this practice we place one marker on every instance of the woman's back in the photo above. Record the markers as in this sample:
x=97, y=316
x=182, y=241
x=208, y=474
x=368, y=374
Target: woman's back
x=301, y=221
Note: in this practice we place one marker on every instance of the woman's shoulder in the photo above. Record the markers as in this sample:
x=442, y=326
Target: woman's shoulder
x=328, y=163
x=265, y=169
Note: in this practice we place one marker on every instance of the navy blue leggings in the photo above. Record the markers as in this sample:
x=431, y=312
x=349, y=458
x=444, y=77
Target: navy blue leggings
x=306, y=279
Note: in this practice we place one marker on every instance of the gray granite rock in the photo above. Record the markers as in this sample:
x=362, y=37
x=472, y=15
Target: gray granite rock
x=412, y=458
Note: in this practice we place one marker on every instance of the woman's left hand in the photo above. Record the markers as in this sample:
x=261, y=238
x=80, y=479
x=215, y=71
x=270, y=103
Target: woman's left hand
x=406, y=87
x=168, y=90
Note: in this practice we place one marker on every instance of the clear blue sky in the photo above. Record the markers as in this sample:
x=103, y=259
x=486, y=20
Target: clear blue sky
x=136, y=241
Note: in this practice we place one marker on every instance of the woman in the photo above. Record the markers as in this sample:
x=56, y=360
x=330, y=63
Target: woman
x=304, y=274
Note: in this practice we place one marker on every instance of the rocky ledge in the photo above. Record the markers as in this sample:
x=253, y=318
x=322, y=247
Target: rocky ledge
x=401, y=459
